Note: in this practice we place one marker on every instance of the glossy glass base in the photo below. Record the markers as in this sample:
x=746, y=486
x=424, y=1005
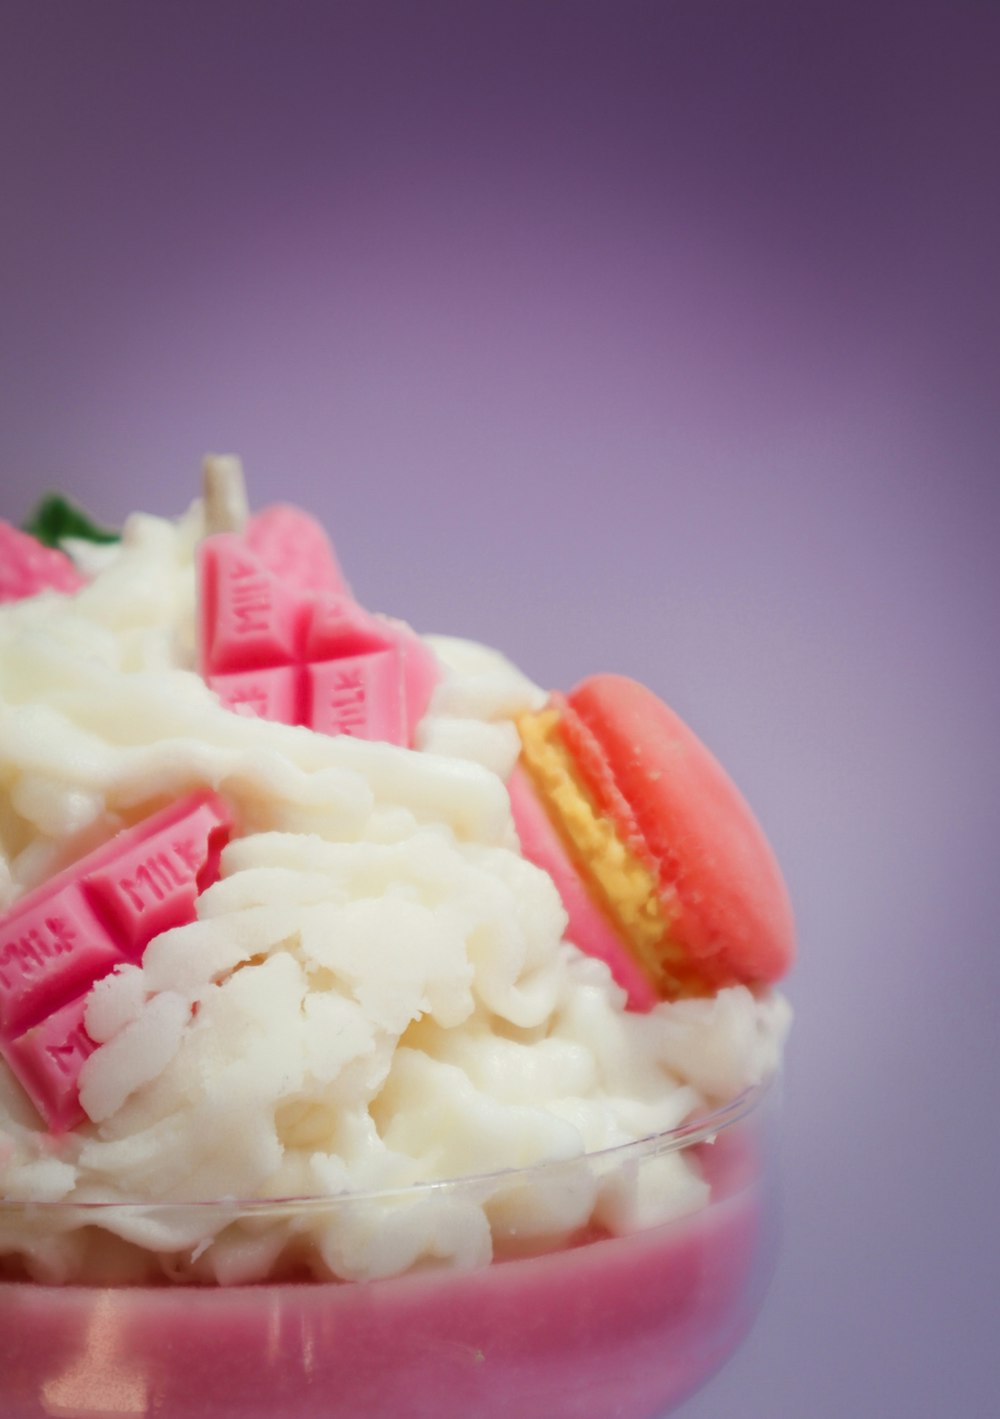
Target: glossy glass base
x=619, y=1327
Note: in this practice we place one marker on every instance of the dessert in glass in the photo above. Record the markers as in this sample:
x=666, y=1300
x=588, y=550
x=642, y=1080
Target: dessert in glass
x=379, y=1033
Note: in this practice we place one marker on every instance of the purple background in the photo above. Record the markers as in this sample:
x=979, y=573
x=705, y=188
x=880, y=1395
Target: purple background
x=658, y=338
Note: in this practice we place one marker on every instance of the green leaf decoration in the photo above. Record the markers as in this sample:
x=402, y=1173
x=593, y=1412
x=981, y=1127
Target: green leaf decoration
x=55, y=517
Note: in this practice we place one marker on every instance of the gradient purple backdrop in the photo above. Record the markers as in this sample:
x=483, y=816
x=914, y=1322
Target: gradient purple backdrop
x=653, y=337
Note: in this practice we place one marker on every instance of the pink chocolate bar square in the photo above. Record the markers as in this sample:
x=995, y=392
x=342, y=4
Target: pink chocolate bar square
x=265, y=694
x=339, y=627
x=152, y=884
x=360, y=695
x=302, y=651
x=49, y=950
x=75, y=929
x=250, y=619
x=47, y=1059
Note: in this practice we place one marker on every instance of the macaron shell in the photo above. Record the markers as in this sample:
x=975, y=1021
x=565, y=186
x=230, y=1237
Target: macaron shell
x=588, y=927
x=720, y=880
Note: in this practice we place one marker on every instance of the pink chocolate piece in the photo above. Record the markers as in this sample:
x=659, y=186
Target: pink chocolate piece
x=421, y=673
x=279, y=650
x=339, y=626
x=49, y=951
x=249, y=619
x=28, y=567
x=360, y=695
x=103, y=911
x=154, y=880
x=47, y=1060
x=265, y=694
x=589, y=928
x=293, y=546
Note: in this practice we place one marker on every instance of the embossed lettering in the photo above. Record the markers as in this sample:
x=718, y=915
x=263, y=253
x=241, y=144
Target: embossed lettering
x=77, y=1046
x=251, y=602
x=22, y=956
x=27, y=955
x=251, y=699
x=153, y=878
x=190, y=854
x=348, y=699
x=63, y=935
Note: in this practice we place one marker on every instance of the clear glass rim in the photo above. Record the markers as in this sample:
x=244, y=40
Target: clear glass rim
x=701, y=1129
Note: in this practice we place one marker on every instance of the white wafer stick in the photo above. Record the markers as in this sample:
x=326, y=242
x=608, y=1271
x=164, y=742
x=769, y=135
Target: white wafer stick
x=224, y=493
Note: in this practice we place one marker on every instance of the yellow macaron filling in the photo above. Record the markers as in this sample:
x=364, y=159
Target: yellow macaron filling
x=625, y=887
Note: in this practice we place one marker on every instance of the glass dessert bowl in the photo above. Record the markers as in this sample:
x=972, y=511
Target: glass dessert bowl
x=608, y=1318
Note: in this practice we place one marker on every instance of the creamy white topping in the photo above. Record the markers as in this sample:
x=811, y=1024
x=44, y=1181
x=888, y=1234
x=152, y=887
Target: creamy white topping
x=376, y=991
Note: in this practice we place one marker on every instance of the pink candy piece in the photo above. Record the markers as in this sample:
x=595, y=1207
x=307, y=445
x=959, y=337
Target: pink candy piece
x=420, y=673
x=47, y=1059
x=51, y=947
x=27, y=567
x=339, y=626
x=282, y=651
x=360, y=695
x=293, y=546
x=274, y=693
x=103, y=911
x=249, y=617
